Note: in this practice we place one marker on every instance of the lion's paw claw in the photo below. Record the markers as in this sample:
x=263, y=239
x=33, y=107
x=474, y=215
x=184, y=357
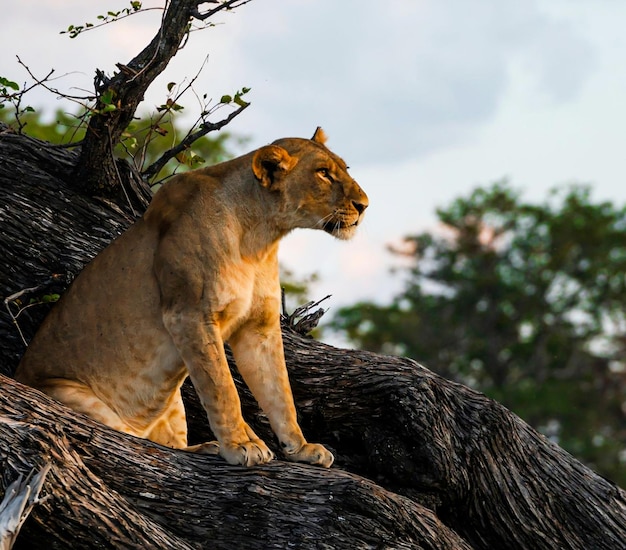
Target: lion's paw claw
x=248, y=453
x=312, y=453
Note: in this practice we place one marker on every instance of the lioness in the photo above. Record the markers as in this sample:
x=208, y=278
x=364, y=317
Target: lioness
x=198, y=269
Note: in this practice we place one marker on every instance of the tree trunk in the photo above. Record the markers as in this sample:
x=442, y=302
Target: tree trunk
x=118, y=97
x=421, y=462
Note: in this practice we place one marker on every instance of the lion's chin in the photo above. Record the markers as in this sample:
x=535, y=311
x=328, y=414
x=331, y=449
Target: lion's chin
x=339, y=231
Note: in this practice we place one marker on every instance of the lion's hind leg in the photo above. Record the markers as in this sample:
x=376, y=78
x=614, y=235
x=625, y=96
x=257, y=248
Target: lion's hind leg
x=81, y=398
x=170, y=429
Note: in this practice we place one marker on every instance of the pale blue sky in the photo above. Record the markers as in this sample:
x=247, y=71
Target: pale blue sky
x=423, y=98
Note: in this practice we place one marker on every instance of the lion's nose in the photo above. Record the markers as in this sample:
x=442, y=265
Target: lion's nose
x=359, y=206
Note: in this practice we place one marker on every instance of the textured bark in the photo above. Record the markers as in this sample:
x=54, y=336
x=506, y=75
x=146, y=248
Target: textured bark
x=421, y=462
x=114, y=490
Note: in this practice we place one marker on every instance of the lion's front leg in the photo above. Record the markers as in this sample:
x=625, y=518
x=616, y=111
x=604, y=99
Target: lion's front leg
x=201, y=348
x=258, y=350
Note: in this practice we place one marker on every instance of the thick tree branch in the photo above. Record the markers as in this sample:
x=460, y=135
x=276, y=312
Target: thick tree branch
x=107, y=489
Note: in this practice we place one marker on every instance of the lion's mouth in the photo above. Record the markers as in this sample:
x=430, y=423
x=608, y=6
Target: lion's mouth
x=340, y=228
x=333, y=226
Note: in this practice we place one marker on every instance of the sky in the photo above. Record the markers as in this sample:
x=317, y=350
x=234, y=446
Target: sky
x=424, y=99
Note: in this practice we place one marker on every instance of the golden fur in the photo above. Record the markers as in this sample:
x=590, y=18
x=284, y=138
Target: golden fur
x=198, y=269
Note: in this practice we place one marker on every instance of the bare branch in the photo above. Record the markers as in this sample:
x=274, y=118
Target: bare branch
x=204, y=129
x=231, y=4
x=42, y=82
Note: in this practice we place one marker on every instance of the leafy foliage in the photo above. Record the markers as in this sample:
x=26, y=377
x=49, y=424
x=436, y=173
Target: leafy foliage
x=110, y=17
x=526, y=303
x=142, y=143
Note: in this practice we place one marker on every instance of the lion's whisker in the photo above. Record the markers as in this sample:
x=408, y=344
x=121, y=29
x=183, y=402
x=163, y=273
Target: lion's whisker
x=322, y=221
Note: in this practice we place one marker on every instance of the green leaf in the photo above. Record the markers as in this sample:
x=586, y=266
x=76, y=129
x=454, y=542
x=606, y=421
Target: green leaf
x=107, y=97
x=182, y=157
x=226, y=99
x=170, y=86
x=240, y=101
x=9, y=83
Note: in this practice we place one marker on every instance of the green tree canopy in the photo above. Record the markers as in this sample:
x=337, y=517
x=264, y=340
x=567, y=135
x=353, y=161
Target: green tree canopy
x=524, y=302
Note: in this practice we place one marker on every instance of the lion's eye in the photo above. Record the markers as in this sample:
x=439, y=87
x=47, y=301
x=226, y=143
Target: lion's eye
x=325, y=173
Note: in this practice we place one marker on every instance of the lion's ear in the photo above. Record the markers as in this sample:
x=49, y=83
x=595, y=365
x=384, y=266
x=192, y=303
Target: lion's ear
x=319, y=136
x=270, y=162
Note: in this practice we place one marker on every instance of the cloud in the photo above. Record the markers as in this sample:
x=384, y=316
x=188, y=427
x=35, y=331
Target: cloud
x=388, y=81
x=404, y=78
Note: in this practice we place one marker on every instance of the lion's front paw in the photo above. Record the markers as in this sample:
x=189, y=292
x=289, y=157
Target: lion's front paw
x=312, y=453
x=248, y=453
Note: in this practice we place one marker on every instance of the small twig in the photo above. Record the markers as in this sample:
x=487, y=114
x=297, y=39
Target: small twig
x=18, y=294
x=301, y=320
x=42, y=83
x=93, y=26
x=204, y=129
x=225, y=6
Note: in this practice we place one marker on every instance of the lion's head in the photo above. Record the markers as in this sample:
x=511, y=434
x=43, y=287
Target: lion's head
x=315, y=188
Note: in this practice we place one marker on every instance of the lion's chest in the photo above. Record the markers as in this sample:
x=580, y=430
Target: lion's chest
x=234, y=296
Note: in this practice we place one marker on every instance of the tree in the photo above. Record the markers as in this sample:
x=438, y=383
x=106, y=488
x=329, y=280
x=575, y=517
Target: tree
x=423, y=462
x=107, y=121
x=524, y=302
